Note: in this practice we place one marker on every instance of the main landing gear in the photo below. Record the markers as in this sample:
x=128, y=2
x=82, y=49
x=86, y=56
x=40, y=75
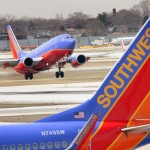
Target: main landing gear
x=28, y=76
x=59, y=73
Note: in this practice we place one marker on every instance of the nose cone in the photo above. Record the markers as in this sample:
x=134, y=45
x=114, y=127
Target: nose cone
x=70, y=43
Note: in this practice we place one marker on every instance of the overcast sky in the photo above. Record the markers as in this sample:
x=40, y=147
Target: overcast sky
x=49, y=8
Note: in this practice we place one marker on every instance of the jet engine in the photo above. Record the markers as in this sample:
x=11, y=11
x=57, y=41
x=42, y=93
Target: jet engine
x=77, y=60
x=28, y=62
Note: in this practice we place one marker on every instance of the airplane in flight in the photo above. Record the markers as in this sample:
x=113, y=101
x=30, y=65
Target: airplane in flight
x=115, y=117
x=55, y=52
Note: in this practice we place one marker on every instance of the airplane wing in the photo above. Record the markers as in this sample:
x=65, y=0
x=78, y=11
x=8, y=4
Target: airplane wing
x=9, y=62
x=37, y=60
x=83, y=137
x=137, y=129
x=14, y=62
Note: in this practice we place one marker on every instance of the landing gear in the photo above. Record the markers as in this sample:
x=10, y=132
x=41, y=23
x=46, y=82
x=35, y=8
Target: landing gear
x=62, y=74
x=28, y=76
x=59, y=73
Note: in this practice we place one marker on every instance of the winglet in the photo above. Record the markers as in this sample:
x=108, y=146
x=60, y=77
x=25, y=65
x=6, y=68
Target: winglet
x=81, y=140
x=14, y=45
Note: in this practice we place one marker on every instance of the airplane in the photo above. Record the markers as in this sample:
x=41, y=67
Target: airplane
x=55, y=52
x=41, y=58
x=115, y=117
x=118, y=41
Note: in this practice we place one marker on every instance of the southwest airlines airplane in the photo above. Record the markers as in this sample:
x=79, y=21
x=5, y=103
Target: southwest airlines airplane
x=118, y=41
x=57, y=51
x=116, y=117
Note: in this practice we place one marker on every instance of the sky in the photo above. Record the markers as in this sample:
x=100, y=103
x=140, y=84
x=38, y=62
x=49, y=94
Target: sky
x=49, y=8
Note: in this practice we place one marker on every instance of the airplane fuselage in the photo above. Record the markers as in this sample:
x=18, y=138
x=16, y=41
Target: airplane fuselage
x=57, y=135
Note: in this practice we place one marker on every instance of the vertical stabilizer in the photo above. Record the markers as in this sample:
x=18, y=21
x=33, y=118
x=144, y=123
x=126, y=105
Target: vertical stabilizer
x=14, y=45
x=128, y=82
x=124, y=96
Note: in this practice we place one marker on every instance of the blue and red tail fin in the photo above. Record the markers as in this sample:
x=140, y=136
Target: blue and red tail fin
x=128, y=83
x=14, y=45
x=123, y=90
x=124, y=96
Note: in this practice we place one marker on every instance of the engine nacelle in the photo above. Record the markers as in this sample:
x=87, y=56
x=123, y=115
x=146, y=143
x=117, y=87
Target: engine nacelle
x=28, y=62
x=78, y=60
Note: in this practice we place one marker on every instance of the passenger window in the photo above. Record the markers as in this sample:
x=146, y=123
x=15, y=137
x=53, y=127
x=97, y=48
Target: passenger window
x=49, y=145
x=27, y=147
x=42, y=145
x=57, y=145
x=5, y=147
x=20, y=147
x=64, y=144
x=35, y=146
x=12, y=147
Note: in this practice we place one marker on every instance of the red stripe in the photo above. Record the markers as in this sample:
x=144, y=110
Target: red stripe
x=124, y=108
x=13, y=50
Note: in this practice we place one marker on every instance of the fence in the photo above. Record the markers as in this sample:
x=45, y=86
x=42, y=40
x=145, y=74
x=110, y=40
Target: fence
x=32, y=43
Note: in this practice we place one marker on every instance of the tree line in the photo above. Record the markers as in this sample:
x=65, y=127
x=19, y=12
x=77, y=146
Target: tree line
x=78, y=22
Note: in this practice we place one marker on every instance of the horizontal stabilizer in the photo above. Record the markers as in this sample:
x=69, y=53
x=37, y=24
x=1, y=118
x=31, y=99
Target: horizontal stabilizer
x=83, y=137
x=9, y=62
x=137, y=129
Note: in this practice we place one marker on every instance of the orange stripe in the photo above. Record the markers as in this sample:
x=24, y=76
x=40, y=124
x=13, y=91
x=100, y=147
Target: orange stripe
x=133, y=139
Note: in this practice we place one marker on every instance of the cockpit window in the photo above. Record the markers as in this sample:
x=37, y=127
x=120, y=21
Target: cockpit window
x=68, y=37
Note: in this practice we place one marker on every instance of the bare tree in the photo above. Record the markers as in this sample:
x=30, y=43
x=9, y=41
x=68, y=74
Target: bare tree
x=145, y=6
x=127, y=17
x=95, y=27
x=76, y=20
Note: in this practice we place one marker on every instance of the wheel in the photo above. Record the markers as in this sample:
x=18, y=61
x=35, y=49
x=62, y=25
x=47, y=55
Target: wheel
x=62, y=74
x=57, y=74
x=30, y=76
x=26, y=76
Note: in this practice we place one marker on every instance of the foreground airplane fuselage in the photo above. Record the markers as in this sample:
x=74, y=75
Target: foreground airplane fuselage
x=59, y=135
x=115, y=117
